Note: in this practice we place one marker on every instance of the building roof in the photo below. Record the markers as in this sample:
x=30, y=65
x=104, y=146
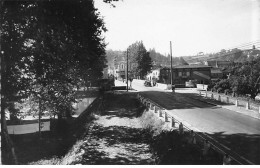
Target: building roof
x=213, y=62
x=182, y=61
x=188, y=66
x=192, y=66
x=177, y=61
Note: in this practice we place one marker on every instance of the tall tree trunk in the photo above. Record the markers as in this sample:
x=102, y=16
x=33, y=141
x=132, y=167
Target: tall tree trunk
x=8, y=156
x=7, y=148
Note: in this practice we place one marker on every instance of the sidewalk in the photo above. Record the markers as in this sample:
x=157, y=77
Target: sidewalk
x=239, y=109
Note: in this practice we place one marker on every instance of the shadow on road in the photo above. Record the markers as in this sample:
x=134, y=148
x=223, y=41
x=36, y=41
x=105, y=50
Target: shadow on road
x=246, y=145
x=172, y=101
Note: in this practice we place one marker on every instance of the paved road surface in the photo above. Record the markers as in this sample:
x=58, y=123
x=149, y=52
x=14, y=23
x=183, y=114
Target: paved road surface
x=239, y=132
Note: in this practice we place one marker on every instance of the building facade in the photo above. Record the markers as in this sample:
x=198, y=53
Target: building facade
x=183, y=73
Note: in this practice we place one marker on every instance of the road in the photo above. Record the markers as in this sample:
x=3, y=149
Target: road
x=238, y=132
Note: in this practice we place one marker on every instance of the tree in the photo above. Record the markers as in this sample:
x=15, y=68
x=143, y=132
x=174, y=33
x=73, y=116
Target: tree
x=47, y=47
x=245, y=77
x=140, y=58
x=144, y=65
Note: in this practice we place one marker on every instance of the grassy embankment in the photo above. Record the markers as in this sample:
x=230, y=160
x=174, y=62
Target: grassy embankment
x=124, y=132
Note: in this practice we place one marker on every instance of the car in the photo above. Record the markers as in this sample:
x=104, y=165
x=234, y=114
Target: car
x=147, y=83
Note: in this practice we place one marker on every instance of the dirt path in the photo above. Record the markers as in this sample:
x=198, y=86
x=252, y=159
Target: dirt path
x=116, y=136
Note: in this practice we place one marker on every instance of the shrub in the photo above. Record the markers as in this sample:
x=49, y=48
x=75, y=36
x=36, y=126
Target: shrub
x=151, y=123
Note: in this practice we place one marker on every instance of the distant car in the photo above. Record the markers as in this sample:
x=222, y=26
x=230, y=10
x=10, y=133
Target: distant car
x=147, y=84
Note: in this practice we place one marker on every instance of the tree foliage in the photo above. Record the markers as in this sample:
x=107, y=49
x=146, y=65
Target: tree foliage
x=48, y=48
x=244, y=78
x=140, y=59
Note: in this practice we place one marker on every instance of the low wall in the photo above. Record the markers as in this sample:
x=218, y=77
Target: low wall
x=161, y=86
x=202, y=87
x=255, y=108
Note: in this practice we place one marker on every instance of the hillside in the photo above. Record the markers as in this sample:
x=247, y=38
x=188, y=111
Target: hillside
x=235, y=55
x=113, y=57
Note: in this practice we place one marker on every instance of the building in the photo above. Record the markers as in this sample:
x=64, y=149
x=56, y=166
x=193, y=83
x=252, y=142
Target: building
x=154, y=74
x=184, y=73
x=121, y=67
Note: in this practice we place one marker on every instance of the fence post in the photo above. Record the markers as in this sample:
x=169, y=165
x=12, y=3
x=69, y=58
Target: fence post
x=181, y=128
x=236, y=102
x=219, y=98
x=200, y=93
x=151, y=106
x=247, y=105
x=206, y=94
x=173, y=122
x=160, y=112
x=165, y=116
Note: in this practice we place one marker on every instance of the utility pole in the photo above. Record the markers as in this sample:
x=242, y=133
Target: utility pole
x=171, y=62
x=127, y=69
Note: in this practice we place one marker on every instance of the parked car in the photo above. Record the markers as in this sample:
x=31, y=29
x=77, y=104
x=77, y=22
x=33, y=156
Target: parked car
x=147, y=83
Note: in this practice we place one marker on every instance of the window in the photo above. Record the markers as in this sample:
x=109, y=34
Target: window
x=188, y=73
x=180, y=73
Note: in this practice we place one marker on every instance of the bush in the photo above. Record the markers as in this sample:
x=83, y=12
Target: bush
x=151, y=123
x=221, y=85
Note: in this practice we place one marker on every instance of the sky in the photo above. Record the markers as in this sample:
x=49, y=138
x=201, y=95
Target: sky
x=192, y=26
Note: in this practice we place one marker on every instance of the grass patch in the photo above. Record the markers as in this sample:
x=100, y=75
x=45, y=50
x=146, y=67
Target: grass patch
x=151, y=123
